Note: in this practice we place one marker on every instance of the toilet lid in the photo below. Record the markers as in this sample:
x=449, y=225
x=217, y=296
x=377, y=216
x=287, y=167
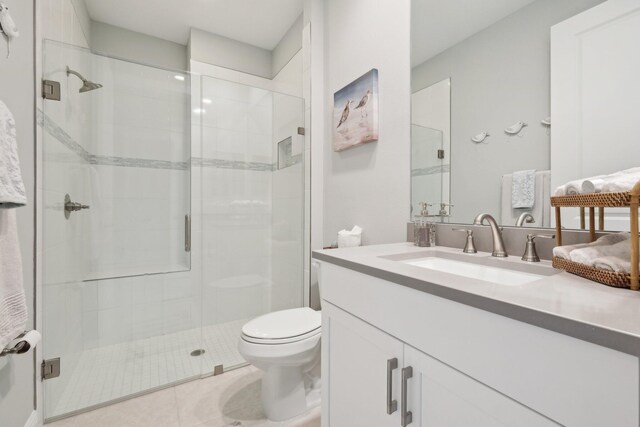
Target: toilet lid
x=283, y=324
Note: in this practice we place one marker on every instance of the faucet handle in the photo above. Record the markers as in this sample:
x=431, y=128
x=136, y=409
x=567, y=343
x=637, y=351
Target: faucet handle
x=530, y=254
x=530, y=237
x=469, y=247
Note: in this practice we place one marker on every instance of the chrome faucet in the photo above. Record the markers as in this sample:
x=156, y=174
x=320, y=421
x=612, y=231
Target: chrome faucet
x=496, y=233
x=525, y=217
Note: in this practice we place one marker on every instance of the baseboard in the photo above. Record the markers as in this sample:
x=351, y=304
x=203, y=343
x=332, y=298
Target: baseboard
x=32, y=421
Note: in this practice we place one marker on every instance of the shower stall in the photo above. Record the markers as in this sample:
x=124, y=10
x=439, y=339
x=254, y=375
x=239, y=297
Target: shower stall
x=172, y=211
x=430, y=169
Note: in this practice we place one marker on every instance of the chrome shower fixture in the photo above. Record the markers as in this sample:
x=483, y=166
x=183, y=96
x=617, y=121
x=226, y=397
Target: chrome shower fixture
x=87, y=85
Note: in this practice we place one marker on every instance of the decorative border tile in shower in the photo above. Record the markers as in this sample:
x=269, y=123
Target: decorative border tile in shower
x=432, y=170
x=58, y=133
x=232, y=164
x=132, y=162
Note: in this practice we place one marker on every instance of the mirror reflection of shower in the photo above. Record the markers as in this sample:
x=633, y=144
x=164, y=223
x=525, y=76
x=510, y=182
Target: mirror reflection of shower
x=87, y=85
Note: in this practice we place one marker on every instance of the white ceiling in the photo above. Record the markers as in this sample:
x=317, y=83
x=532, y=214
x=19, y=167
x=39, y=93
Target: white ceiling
x=261, y=23
x=436, y=25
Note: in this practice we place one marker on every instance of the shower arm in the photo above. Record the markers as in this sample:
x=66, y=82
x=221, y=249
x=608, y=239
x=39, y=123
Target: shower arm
x=75, y=73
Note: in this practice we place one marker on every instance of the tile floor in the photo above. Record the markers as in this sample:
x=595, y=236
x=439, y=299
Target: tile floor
x=231, y=399
x=131, y=367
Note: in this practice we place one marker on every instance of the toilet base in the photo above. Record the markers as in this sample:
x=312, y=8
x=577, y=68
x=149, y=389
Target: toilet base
x=288, y=392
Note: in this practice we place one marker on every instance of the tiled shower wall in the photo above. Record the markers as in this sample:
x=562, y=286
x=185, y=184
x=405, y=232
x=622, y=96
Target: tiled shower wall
x=140, y=146
x=287, y=288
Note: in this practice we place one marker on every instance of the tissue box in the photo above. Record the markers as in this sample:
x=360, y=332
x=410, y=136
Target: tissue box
x=350, y=239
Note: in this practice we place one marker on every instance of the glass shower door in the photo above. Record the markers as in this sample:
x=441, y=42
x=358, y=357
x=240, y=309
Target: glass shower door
x=120, y=302
x=427, y=169
x=252, y=176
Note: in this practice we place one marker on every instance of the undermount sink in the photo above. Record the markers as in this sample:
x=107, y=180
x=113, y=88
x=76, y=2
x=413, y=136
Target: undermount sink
x=503, y=271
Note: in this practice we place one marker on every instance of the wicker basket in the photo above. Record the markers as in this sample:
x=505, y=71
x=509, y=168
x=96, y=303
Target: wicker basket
x=604, y=200
x=610, y=278
x=629, y=199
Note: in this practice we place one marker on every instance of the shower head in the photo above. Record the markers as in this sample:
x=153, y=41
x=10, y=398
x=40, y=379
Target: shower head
x=87, y=85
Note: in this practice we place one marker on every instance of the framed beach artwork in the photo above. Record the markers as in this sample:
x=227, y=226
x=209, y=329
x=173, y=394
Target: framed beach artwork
x=355, y=112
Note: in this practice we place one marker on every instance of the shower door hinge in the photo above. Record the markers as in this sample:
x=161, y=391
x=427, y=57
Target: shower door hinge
x=441, y=154
x=300, y=131
x=50, y=369
x=51, y=90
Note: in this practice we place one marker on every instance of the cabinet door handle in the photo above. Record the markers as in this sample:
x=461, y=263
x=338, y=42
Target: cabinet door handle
x=392, y=405
x=406, y=416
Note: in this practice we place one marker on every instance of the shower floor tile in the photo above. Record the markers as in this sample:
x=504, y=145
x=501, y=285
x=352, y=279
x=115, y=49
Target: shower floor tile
x=112, y=372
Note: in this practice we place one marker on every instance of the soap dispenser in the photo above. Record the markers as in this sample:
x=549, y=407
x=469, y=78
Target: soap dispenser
x=423, y=229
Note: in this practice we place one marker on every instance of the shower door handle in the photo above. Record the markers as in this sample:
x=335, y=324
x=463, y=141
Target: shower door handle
x=187, y=233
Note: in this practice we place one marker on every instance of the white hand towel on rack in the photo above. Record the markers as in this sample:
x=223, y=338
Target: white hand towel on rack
x=574, y=187
x=613, y=263
x=621, y=183
x=12, y=192
x=609, y=239
x=615, y=182
x=589, y=254
x=13, y=307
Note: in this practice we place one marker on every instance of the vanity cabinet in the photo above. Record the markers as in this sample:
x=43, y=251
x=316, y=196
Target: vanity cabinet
x=368, y=370
x=469, y=367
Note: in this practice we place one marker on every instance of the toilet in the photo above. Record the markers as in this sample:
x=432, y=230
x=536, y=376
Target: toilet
x=286, y=346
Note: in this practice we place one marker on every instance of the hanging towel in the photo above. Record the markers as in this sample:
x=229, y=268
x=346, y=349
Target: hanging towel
x=12, y=192
x=13, y=306
x=523, y=187
x=541, y=207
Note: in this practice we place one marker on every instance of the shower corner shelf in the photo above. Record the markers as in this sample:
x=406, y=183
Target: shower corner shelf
x=630, y=199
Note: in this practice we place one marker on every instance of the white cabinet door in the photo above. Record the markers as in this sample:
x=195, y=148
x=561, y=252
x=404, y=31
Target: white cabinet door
x=355, y=358
x=440, y=396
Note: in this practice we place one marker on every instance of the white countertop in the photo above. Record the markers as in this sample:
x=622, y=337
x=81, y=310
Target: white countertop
x=561, y=302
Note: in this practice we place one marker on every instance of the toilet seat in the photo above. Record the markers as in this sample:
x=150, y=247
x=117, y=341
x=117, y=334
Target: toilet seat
x=267, y=341
x=282, y=327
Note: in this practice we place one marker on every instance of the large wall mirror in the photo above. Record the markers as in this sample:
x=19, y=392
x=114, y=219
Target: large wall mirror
x=494, y=87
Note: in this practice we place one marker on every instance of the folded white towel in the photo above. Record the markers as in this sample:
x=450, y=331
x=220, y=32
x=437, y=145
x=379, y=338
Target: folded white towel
x=609, y=239
x=12, y=192
x=624, y=182
x=589, y=254
x=13, y=307
x=574, y=187
x=613, y=263
x=564, y=251
x=593, y=185
x=523, y=186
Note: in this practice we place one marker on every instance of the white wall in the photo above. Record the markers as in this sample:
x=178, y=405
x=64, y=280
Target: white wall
x=17, y=91
x=287, y=48
x=232, y=54
x=140, y=48
x=369, y=185
x=498, y=77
